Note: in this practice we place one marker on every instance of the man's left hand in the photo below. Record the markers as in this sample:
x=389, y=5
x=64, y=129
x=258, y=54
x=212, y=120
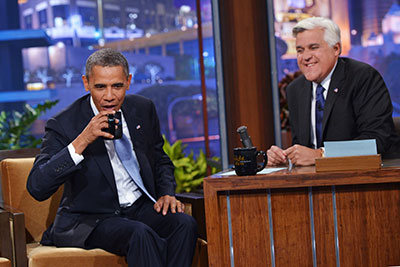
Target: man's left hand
x=302, y=155
x=166, y=202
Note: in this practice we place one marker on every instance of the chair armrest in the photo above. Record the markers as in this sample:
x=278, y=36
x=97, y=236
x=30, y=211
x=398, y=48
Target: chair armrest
x=194, y=206
x=13, y=232
x=5, y=240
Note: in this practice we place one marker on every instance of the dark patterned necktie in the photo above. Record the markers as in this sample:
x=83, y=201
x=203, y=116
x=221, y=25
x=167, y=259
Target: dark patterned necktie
x=319, y=113
x=125, y=153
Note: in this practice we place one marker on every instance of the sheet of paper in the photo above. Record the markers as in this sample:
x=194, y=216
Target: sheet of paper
x=264, y=171
x=350, y=148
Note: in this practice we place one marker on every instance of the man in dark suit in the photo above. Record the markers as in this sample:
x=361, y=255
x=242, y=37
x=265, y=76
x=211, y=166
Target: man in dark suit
x=335, y=99
x=118, y=194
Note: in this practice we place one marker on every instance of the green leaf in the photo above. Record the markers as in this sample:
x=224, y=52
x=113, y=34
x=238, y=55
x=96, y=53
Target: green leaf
x=189, y=170
x=15, y=126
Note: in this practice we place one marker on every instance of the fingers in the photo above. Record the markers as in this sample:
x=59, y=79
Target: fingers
x=181, y=206
x=168, y=202
x=301, y=155
x=276, y=156
x=166, y=205
x=97, y=124
x=158, y=205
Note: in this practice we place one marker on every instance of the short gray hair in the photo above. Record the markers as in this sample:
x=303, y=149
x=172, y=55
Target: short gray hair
x=106, y=57
x=331, y=29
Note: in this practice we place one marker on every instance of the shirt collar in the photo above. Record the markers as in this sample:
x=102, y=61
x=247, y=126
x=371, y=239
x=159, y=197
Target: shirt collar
x=326, y=82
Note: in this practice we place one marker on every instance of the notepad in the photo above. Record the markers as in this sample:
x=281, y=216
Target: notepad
x=350, y=148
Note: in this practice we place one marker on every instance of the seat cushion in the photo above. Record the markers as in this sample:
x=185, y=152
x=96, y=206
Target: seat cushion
x=4, y=262
x=49, y=256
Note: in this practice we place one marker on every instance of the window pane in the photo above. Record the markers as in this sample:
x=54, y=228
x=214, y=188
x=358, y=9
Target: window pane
x=159, y=39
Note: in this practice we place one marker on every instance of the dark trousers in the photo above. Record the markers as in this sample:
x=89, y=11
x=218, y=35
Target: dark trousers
x=147, y=238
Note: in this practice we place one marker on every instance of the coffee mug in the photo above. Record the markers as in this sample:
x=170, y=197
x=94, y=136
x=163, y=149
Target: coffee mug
x=245, y=160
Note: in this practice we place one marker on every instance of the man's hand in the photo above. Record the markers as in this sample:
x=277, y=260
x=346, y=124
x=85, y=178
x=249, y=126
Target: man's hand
x=92, y=131
x=276, y=156
x=303, y=156
x=167, y=201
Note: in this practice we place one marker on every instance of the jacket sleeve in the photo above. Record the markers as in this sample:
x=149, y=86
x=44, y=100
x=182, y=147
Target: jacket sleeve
x=53, y=165
x=164, y=169
x=373, y=110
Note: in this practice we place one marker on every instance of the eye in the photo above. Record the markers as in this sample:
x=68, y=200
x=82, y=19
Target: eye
x=99, y=86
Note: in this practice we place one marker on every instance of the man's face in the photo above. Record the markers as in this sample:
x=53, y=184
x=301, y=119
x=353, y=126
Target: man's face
x=314, y=56
x=108, y=86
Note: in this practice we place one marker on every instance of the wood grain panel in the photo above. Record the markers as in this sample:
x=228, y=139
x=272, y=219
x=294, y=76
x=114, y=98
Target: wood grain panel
x=217, y=226
x=324, y=226
x=250, y=229
x=247, y=71
x=368, y=224
x=291, y=222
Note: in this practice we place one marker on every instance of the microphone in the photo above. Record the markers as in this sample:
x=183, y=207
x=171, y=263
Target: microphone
x=244, y=136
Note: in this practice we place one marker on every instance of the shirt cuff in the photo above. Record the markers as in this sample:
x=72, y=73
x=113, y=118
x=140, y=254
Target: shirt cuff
x=75, y=156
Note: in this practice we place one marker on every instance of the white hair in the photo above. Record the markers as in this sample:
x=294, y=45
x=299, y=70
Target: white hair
x=331, y=29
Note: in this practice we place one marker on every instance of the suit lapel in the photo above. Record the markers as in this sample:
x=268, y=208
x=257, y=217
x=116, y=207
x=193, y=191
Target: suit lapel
x=335, y=88
x=134, y=123
x=305, y=112
x=136, y=126
x=97, y=149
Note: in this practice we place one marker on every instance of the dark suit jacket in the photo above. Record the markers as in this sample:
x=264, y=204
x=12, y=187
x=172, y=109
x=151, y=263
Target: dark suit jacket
x=90, y=192
x=358, y=106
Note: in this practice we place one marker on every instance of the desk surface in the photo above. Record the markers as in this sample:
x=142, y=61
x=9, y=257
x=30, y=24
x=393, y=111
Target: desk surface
x=307, y=176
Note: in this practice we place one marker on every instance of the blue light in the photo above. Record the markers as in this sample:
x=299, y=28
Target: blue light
x=76, y=21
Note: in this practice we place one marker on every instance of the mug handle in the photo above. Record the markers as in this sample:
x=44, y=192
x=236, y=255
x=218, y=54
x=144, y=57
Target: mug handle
x=260, y=168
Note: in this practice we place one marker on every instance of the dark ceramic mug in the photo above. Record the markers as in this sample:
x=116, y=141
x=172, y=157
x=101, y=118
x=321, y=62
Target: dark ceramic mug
x=245, y=160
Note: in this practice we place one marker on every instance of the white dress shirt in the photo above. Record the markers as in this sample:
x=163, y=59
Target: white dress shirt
x=325, y=83
x=128, y=192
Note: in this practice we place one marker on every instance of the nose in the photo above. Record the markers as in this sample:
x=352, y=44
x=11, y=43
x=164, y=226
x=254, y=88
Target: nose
x=108, y=94
x=307, y=55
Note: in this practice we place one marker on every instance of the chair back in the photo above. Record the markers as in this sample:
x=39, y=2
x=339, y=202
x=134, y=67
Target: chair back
x=38, y=215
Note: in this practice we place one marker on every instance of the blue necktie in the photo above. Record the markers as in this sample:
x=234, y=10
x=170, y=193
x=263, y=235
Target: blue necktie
x=319, y=113
x=128, y=158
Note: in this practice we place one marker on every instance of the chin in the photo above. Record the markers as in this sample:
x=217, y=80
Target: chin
x=311, y=78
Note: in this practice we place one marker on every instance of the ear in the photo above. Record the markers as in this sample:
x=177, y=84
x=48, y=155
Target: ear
x=129, y=81
x=338, y=49
x=85, y=83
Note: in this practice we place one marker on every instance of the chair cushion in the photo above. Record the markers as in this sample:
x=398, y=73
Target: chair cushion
x=49, y=256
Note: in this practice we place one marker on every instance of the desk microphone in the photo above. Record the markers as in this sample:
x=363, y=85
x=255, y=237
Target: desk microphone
x=244, y=136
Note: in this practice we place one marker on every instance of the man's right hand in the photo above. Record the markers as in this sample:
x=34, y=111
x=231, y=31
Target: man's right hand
x=92, y=131
x=276, y=156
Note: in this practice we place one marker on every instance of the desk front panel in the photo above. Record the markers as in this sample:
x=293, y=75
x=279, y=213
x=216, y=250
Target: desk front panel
x=342, y=225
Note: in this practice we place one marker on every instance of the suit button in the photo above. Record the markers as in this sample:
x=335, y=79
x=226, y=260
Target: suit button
x=117, y=212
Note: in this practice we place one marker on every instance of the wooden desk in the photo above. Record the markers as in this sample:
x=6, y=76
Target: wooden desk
x=304, y=218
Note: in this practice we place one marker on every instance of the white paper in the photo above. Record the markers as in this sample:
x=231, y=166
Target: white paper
x=264, y=171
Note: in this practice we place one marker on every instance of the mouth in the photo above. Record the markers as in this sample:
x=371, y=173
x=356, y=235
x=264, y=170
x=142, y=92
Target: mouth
x=309, y=65
x=109, y=107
